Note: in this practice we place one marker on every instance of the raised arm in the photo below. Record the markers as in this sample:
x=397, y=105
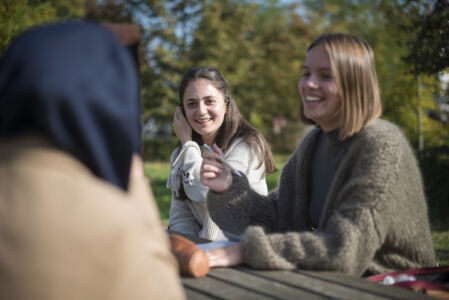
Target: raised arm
x=232, y=204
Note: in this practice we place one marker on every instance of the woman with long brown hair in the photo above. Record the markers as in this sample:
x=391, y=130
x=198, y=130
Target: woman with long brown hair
x=208, y=114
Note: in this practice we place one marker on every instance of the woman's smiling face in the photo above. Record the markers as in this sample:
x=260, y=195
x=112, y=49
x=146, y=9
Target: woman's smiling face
x=205, y=108
x=319, y=91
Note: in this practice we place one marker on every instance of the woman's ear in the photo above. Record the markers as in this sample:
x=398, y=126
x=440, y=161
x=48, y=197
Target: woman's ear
x=227, y=101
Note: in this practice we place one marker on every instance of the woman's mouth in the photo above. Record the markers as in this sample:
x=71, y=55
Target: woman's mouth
x=313, y=99
x=204, y=121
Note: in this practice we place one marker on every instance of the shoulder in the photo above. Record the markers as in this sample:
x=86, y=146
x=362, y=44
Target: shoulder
x=174, y=154
x=381, y=134
x=181, y=150
x=238, y=147
x=380, y=144
x=379, y=128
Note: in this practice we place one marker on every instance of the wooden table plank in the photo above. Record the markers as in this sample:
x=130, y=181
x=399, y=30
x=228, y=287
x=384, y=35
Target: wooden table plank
x=315, y=285
x=219, y=289
x=390, y=292
x=198, y=295
x=268, y=287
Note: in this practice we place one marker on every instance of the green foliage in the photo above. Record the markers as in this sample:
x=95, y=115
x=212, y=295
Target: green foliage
x=158, y=173
x=441, y=244
x=389, y=31
x=159, y=148
x=434, y=163
x=423, y=29
x=258, y=48
x=18, y=15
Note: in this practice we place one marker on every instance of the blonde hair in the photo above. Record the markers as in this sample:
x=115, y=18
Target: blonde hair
x=353, y=67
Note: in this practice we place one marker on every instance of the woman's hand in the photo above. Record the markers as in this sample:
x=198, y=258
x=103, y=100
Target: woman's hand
x=181, y=127
x=213, y=173
x=225, y=257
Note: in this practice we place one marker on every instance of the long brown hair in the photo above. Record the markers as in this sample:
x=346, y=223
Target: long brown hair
x=353, y=65
x=234, y=125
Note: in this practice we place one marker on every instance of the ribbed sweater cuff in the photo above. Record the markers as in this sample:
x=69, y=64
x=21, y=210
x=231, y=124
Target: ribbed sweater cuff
x=230, y=210
x=236, y=191
x=259, y=253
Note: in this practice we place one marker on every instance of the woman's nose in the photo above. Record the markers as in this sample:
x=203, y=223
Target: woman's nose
x=202, y=109
x=311, y=82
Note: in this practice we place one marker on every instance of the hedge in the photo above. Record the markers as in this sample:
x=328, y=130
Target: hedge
x=159, y=148
x=434, y=164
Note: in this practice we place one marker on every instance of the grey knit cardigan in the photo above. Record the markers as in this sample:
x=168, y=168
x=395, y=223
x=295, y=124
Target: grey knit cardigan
x=374, y=220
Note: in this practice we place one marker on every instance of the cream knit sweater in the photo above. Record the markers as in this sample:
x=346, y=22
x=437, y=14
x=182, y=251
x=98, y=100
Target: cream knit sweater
x=191, y=216
x=374, y=220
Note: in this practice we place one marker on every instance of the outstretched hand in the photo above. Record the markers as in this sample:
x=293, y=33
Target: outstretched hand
x=181, y=126
x=213, y=173
x=226, y=256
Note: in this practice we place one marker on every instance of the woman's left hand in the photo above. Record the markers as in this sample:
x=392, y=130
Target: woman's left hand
x=225, y=257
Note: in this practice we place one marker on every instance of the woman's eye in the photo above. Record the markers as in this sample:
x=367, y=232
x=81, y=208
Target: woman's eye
x=327, y=76
x=306, y=74
x=210, y=101
x=191, y=104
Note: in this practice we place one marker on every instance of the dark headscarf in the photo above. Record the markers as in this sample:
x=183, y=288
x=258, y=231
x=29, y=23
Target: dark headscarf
x=74, y=83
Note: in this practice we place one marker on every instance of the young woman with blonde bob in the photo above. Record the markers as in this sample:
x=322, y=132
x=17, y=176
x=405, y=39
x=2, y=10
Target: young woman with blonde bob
x=208, y=114
x=350, y=198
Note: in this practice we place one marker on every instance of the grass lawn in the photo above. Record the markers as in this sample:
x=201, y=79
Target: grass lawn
x=158, y=173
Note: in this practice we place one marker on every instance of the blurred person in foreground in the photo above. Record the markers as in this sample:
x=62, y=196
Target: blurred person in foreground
x=77, y=217
x=350, y=198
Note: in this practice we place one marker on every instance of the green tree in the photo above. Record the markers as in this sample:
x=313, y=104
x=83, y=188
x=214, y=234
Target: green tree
x=258, y=48
x=421, y=28
x=18, y=15
x=382, y=24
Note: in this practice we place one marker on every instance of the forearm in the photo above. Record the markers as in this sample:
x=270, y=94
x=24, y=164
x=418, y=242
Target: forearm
x=240, y=207
x=190, y=165
x=346, y=245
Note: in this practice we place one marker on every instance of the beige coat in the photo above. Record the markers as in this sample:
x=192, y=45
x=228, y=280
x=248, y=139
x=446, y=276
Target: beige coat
x=66, y=234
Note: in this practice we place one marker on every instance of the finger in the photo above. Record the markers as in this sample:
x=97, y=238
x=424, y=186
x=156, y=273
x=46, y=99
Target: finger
x=217, y=149
x=210, y=155
x=214, y=162
x=175, y=117
x=209, y=175
x=213, y=168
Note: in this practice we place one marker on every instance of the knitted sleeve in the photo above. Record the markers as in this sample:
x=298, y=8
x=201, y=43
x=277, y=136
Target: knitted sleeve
x=347, y=245
x=242, y=206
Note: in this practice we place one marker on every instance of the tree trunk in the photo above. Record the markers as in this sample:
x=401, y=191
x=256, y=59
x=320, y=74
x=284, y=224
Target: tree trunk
x=420, y=135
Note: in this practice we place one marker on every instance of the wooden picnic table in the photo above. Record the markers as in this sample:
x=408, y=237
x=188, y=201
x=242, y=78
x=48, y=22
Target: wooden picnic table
x=245, y=283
